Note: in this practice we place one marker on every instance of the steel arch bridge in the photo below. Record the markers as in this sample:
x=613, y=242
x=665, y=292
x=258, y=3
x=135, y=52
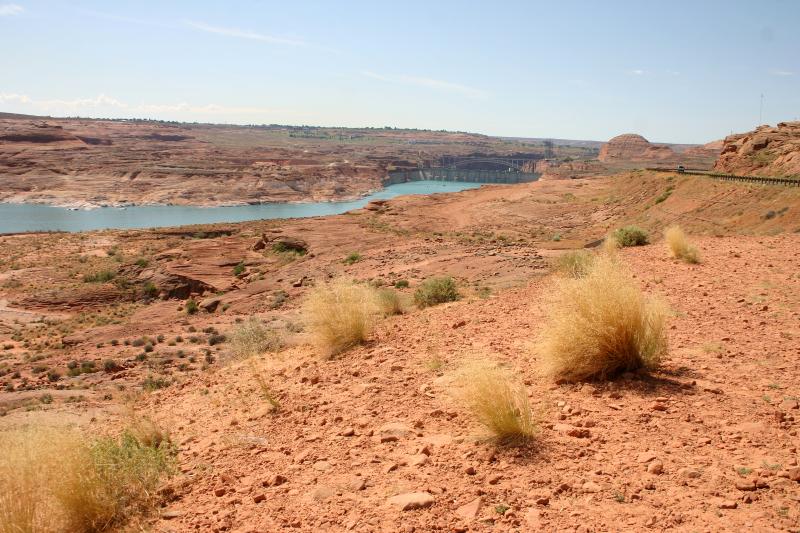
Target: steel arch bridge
x=513, y=163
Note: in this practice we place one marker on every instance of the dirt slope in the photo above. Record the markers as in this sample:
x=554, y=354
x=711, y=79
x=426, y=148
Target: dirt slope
x=381, y=420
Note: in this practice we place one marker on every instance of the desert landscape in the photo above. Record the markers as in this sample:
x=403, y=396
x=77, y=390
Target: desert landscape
x=97, y=163
x=208, y=343
x=418, y=267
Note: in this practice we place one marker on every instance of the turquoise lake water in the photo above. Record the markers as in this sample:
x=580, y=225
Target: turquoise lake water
x=30, y=217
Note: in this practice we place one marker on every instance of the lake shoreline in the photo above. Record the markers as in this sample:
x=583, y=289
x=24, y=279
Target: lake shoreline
x=20, y=217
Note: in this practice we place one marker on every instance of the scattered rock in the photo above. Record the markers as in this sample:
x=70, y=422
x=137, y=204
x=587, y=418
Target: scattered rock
x=646, y=457
x=591, y=487
x=470, y=510
x=655, y=467
x=727, y=504
x=411, y=500
x=393, y=431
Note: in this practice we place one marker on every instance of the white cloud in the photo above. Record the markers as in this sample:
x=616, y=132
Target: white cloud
x=428, y=83
x=106, y=106
x=779, y=72
x=7, y=10
x=243, y=34
x=637, y=72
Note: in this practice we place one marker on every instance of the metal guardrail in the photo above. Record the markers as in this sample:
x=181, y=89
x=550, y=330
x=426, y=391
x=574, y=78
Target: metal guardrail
x=789, y=182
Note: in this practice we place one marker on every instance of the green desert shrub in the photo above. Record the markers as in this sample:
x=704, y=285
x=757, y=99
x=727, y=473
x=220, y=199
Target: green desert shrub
x=354, y=257
x=191, y=307
x=434, y=291
x=631, y=236
x=99, y=277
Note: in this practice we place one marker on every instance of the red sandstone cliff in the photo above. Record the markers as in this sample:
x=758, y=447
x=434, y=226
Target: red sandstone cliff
x=767, y=151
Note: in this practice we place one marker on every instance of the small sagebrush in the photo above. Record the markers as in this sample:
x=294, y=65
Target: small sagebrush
x=679, y=246
x=575, y=264
x=340, y=315
x=601, y=325
x=434, y=291
x=57, y=480
x=497, y=400
x=253, y=337
x=631, y=236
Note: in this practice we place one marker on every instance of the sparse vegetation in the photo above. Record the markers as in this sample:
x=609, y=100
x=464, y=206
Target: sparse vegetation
x=253, y=337
x=57, y=480
x=191, y=307
x=152, y=383
x=575, y=263
x=354, y=257
x=601, y=325
x=497, y=400
x=239, y=269
x=679, y=246
x=102, y=276
x=434, y=291
x=664, y=195
x=340, y=315
x=401, y=284
x=149, y=290
x=631, y=236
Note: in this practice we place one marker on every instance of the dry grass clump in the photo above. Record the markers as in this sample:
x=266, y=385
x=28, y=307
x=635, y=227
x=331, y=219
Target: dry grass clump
x=340, y=315
x=601, y=325
x=252, y=337
x=575, y=263
x=390, y=302
x=498, y=401
x=57, y=480
x=679, y=246
x=147, y=432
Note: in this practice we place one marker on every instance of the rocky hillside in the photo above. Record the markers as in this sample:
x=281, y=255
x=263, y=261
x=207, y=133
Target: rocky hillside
x=767, y=151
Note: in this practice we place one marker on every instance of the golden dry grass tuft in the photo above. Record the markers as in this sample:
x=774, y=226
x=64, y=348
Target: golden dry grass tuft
x=340, y=315
x=57, y=480
x=498, y=401
x=679, y=246
x=601, y=325
x=575, y=263
x=390, y=302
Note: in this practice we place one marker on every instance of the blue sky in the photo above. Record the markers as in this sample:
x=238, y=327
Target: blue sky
x=673, y=71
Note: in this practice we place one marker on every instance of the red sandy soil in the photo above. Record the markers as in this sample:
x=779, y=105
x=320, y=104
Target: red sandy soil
x=708, y=442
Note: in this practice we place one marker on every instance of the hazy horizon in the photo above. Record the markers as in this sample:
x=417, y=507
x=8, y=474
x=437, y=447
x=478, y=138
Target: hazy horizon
x=573, y=70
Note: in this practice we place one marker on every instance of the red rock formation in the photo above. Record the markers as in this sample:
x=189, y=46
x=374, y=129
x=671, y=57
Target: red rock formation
x=633, y=147
x=711, y=149
x=767, y=151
